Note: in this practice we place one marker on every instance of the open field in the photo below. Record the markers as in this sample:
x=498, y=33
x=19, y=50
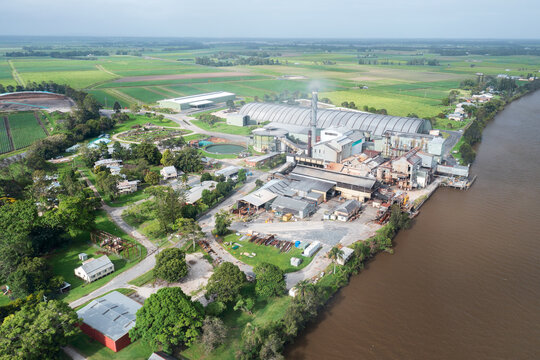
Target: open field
x=268, y=254
x=5, y=145
x=24, y=129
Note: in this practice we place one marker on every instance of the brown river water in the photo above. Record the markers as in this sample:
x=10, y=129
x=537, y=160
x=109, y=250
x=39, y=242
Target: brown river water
x=464, y=281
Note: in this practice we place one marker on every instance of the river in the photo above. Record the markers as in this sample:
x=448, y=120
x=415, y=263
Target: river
x=464, y=281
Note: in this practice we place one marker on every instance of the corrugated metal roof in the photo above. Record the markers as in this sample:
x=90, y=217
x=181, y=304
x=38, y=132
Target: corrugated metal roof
x=96, y=264
x=259, y=197
x=301, y=116
x=113, y=315
x=282, y=202
x=333, y=176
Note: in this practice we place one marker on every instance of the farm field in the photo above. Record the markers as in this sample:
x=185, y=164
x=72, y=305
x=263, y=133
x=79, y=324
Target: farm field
x=339, y=75
x=24, y=129
x=5, y=145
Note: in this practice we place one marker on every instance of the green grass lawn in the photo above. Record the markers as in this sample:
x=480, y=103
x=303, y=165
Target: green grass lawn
x=143, y=279
x=223, y=127
x=128, y=199
x=195, y=137
x=141, y=120
x=269, y=254
x=264, y=312
x=65, y=260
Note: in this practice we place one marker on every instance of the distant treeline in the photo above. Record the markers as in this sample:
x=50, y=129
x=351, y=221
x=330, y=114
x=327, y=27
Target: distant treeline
x=58, y=54
x=50, y=86
x=494, y=51
x=415, y=62
x=252, y=60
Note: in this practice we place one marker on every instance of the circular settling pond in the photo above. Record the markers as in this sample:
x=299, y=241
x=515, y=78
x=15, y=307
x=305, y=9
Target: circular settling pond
x=225, y=149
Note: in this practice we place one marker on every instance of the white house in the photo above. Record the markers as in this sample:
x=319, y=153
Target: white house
x=455, y=117
x=127, y=187
x=95, y=268
x=169, y=172
x=347, y=253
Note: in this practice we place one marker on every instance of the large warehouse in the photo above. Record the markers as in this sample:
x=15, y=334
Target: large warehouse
x=197, y=101
x=297, y=119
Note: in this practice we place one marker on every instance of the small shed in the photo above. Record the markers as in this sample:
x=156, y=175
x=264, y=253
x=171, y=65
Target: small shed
x=83, y=256
x=296, y=261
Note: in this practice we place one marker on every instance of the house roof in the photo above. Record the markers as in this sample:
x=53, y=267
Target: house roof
x=348, y=206
x=93, y=265
x=169, y=170
x=113, y=315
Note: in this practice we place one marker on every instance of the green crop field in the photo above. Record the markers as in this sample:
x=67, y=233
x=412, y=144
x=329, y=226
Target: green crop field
x=24, y=129
x=5, y=146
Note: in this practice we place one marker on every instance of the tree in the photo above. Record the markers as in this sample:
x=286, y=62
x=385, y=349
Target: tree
x=226, y=282
x=214, y=333
x=152, y=178
x=335, y=254
x=190, y=229
x=32, y=274
x=206, y=177
x=259, y=183
x=171, y=265
x=189, y=160
x=134, y=108
x=242, y=175
x=38, y=331
x=168, y=208
x=270, y=280
x=107, y=184
x=168, y=318
x=223, y=221
x=245, y=304
x=467, y=153
x=77, y=212
x=230, y=104
x=167, y=158
x=117, y=107
x=148, y=152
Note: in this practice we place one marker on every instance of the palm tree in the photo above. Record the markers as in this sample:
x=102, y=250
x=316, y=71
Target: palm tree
x=335, y=254
x=302, y=286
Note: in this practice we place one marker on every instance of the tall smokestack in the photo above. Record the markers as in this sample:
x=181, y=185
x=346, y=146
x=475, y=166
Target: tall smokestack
x=314, y=101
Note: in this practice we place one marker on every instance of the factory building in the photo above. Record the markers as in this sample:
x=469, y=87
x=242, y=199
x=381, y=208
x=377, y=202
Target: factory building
x=199, y=101
x=297, y=120
x=394, y=144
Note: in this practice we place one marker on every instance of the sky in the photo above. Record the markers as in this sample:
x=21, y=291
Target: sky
x=478, y=19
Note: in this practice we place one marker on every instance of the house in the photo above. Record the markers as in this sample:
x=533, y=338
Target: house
x=127, y=187
x=95, y=268
x=347, y=253
x=312, y=249
x=109, y=319
x=347, y=210
x=169, y=172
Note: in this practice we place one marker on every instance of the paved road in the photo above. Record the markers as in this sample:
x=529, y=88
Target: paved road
x=315, y=267
x=72, y=353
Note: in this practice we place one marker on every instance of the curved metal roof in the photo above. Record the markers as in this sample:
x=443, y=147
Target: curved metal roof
x=300, y=116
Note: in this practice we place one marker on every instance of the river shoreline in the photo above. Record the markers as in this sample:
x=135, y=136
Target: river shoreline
x=337, y=296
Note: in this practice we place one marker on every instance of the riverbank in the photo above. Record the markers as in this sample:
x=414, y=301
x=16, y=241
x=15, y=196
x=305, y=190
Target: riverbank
x=465, y=272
